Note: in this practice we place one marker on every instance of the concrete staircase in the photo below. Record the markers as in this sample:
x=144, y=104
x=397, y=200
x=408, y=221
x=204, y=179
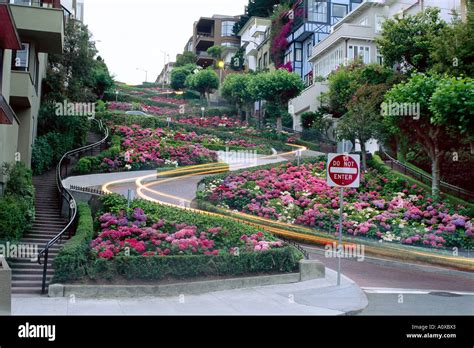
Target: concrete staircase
x=27, y=275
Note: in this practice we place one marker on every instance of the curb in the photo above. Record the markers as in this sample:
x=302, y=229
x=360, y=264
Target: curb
x=309, y=270
x=403, y=265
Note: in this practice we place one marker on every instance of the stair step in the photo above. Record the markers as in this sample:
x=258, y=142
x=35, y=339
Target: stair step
x=36, y=271
x=30, y=277
x=26, y=284
x=27, y=291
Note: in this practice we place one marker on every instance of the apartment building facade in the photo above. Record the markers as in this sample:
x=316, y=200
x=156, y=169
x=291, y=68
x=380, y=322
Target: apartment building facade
x=214, y=31
x=164, y=77
x=30, y=31
x=312, y=22
x=353, y=37
x=254, y=38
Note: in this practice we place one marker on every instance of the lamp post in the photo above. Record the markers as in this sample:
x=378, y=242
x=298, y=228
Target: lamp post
x=220, y=65
x=146, y=74
x=202, y=111
x=164, y=67
x=116, y=95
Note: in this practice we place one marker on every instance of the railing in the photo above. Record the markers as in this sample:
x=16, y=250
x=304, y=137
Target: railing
x=34, y=3
x=427, y=179
x=67, y=197
x=87, y=190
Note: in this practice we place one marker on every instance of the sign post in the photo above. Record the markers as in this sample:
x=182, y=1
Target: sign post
x=343, y=170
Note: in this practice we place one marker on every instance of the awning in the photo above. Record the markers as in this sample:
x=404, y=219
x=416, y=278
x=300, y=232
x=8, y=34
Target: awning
x=7, y=115
x=9, y=38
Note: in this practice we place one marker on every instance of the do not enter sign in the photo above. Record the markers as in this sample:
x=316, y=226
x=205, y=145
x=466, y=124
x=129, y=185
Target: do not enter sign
x=343, y=170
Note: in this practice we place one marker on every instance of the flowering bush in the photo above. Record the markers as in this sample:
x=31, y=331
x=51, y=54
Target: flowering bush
x=166, y=100
x=119, y=106
x=214, y=122
x=147, y=148
x=384, y=207
x=137, y=235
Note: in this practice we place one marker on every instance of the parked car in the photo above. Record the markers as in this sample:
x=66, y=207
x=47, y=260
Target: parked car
x=136, y=113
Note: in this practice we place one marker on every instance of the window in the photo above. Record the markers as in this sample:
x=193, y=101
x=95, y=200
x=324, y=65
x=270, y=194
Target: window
x=260, y=63
x=378, y=23
x=227, y=28
x=287, y=57
x=20, y=58
x=379, y=56
x=364, y=21
x=309, y=49
x=360, y=52
x=1, y=69
x=298, y=54
x=329, y=63
x=317, y=11
x=265, y=60
x=339, y=10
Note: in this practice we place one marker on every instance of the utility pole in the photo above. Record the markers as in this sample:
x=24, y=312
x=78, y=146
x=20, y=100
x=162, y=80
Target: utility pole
x=164, y=68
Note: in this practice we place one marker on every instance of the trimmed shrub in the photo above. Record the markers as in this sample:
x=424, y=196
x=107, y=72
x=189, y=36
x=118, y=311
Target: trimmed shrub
x=72, y=260
x=17, y=208
x=154, y=268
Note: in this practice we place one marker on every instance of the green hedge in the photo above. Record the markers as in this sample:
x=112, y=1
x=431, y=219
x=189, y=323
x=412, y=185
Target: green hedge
x=154, y=268
x=72, y=261
x=17, y=207
x=48, y=149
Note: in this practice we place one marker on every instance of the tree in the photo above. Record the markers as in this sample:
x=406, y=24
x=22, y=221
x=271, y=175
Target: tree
x=71, y=75
x=236, y=89
x=363, y=121
x=452, y=105
x=205, y=82
x=277, y=88
x=102, y=81
x=346, y=80
x=453, y=48
x=185, y=58
x=258, y=8
x=430, y=129
x=179, y=76
x=215, y=51
x=409, y=41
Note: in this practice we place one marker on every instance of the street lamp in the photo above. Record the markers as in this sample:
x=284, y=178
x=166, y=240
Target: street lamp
x=164, y=66
x=220, y=65
x=202, y=111
x=146, y=74
x=116, y=95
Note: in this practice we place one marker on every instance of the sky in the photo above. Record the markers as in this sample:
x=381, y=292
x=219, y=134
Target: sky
x=133, y=34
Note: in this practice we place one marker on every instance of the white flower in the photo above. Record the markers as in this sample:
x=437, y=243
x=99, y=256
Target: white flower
x=128, y=166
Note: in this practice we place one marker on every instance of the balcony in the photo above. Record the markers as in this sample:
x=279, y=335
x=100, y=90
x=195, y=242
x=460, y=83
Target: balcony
x=345, y=31
x=9, y=38
x=22, y=90
x=43, y=25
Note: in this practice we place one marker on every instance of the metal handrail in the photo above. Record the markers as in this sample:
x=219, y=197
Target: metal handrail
x=69, y=198
x=443, y=185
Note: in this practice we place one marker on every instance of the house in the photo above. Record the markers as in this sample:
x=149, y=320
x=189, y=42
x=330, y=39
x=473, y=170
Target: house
x=215, y=31
x=164, y=77
x=28, y=33
x=312, y=22
x=354, y=37
x=254, y=38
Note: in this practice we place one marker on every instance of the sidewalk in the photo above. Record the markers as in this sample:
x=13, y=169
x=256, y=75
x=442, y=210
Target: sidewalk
x=315, y=297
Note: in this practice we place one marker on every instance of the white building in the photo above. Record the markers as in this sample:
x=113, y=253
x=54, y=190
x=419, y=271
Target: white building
x=354, y=36
x=252, y=35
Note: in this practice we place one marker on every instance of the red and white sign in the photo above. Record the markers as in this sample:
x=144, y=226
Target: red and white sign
x=343, y=170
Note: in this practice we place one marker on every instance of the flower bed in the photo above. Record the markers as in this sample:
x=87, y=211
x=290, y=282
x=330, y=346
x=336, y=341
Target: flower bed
x=384, y=208
x=167, y=100
x=213, y=122
x=151, y=241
